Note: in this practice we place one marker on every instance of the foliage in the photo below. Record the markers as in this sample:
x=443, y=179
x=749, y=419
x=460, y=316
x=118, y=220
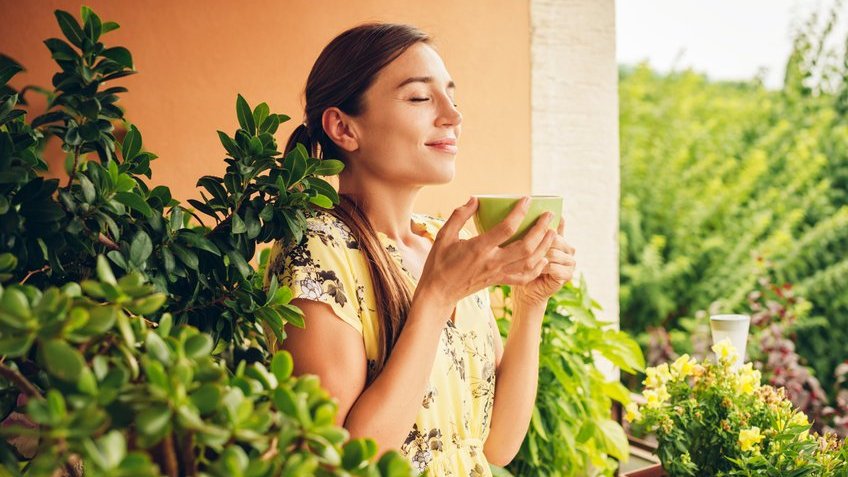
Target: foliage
x=159, y=364
x=712, y=420
x=716, y=175
x=571, y=431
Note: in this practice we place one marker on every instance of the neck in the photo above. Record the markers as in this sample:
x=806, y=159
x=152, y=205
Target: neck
x=387, y=206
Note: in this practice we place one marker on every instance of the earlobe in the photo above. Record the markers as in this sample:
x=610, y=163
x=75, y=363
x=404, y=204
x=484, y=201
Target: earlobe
x=338, y=127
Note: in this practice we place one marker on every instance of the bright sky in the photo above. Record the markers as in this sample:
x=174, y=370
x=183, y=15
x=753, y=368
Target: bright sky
x=726, y=39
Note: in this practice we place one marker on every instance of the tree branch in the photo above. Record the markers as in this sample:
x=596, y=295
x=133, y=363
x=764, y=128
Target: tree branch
x=34, y=272
x=20, y=381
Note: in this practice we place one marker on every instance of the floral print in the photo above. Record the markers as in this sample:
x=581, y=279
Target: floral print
x=327, y=266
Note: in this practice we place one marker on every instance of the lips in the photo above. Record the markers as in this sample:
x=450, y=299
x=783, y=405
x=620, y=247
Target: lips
x=447, y=145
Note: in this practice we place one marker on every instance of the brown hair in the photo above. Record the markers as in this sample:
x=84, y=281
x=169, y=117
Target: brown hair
x=339, y=78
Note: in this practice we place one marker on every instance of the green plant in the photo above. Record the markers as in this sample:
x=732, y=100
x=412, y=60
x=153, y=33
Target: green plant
x=712, y=420
x=132, y=337
x=745, y=173
x=571, y=431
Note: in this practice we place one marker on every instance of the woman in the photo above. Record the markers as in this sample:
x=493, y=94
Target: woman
x=398, y=323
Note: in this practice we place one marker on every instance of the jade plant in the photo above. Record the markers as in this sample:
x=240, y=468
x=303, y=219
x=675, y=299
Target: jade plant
x=131, y=326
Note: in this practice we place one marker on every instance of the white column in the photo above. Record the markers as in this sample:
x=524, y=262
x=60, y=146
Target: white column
x=574, y=123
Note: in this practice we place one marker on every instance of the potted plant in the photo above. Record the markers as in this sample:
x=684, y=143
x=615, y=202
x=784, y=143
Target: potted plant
x=711, y=420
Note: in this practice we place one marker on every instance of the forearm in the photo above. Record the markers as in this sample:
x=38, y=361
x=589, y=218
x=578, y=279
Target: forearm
x=515, y=385
x=387, y=409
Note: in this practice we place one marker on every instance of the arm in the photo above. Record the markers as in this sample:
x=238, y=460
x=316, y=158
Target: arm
x=333, y=350
x=515, y=384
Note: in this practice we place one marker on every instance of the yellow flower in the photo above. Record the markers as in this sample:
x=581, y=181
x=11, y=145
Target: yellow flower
x=683, y=366
x=656, y=397
x=632, y=412
x=749, y=439
x=657, y=376
x=749, y=379
x=799, y=419
x=725, y=351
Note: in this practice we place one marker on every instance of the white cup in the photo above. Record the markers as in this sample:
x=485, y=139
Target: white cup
x=733, y=327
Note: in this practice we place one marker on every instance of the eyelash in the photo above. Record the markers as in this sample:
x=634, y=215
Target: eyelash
x=426, y=99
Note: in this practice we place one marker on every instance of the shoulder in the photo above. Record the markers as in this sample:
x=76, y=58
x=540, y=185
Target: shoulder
x=327, y=229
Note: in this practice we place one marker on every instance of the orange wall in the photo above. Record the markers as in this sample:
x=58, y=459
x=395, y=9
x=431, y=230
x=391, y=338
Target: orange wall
x=194, y=56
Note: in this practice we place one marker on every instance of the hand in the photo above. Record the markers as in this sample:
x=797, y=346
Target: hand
x=558, y=271
x=456, y=268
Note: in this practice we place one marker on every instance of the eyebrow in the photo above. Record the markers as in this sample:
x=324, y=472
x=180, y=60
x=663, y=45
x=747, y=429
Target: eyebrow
x=423, y=79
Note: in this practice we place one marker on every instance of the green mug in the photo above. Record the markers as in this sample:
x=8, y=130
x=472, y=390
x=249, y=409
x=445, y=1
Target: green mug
x=492, y=209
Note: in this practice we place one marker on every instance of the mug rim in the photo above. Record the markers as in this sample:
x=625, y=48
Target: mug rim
x=730, y=317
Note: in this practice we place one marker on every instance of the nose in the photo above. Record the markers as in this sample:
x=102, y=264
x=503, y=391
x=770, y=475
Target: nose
x=449, y=115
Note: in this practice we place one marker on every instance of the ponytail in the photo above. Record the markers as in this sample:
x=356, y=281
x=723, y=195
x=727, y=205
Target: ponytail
x=300, y=135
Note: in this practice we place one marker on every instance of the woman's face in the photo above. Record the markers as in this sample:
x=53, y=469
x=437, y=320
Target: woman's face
x=409, y=129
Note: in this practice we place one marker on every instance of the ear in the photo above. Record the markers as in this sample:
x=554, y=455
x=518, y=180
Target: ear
x=339, y=128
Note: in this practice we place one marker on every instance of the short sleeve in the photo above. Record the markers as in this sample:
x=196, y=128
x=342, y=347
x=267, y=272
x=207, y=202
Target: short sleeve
x=318, y=268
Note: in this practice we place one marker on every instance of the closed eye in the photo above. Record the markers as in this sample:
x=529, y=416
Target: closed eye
x=418, y=100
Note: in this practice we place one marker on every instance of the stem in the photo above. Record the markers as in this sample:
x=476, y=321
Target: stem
x=272, y=450
x=187, y=453
x=34, y=272
x=73, y=172
x=20, y=381
x=109, y=243
x=168, y=463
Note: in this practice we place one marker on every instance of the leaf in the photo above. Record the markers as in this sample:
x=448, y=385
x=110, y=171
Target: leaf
x=239, y=263
x=282, y=365
x=324, y=188
x=91, y=23
x=132, y=144
x=613, y=439
x=14, y=346
x=232, y=148
x=186, y=256
x=157, y=348
x=104, y=271
x=109, y=26
x=61, y=50
x=140, y=248
x=135, y=202
x=329, y=167
x=198, y=241
x=260, y=113
x=8, y=68
x=238, y=225
x=154, y=420
x=70, y=27
x=88, y=192
x=198, y=346
x=62, y=360
x=245, y=116
x=119, y=55
x=321, y=201
x=270, y=124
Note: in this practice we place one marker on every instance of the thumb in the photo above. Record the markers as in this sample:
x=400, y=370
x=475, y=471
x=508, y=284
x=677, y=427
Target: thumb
x=458, y=218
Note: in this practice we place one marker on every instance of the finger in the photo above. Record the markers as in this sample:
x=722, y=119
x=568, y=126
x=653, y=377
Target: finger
x=561, y=225
x=559, y=272
x=531, y=263
x=561, y=244
x=457, y=219
x=558, y=256
x=508, y=226
x=526, y=276
x=530, y=242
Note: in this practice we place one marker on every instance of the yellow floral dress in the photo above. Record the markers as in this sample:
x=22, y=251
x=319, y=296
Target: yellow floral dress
x=453, y=422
